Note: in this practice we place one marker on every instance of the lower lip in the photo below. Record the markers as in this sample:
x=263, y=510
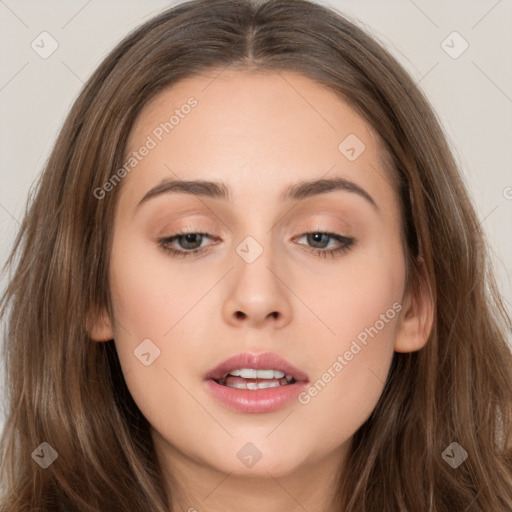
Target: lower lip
x=255, y=401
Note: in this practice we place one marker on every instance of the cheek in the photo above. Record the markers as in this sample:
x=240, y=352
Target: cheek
x=148, y=299
x=145, y=309
x=352, y=370
x=148, y=304
x=361, y=307
x=352, y=295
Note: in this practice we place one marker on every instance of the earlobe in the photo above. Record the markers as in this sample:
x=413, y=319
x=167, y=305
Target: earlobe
x=99, y=327
x=417, y=315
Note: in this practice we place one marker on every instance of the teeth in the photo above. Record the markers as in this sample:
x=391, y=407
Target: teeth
x=264, y=385
x=249, y=373
x=253, y=385
x=273, y=378
x=242, y=385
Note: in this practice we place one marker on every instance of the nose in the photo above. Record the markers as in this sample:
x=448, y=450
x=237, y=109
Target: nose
x=257, y=294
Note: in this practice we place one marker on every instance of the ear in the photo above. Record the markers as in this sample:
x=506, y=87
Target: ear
x=99, y=326
x=417, y=315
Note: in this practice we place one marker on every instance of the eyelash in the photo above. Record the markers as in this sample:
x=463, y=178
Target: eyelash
x=347, y=244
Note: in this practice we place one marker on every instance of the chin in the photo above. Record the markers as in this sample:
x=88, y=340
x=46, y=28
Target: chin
x=259, y=459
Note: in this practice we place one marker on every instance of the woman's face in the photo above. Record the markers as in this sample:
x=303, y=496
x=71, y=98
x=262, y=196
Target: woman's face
x=256, y=283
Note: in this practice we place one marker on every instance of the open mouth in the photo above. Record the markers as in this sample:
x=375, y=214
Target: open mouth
x=249, y=378
x=255, y=383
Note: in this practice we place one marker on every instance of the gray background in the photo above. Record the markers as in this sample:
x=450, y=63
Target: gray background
x=472, y=93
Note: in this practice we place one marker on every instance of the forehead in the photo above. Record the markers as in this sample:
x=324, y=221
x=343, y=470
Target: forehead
x=248, y=98
x=254, y=130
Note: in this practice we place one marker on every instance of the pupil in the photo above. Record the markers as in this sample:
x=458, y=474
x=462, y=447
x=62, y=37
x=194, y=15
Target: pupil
x=316, y=237
x=189, y=239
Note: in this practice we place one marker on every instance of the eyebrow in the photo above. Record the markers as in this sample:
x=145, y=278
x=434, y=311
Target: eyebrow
x=294, y=192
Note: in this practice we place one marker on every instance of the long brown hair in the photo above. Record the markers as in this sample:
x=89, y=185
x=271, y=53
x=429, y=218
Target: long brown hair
x=69, y=392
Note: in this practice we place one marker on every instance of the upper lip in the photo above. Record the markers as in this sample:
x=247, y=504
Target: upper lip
x=261, y=361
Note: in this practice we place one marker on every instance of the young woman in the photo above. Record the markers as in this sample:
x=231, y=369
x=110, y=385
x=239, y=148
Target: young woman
x=251, y=278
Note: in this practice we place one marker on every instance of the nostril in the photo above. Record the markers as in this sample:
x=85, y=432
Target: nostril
x=239, y=314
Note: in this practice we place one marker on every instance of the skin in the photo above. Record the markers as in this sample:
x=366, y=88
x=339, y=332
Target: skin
x=258, y=133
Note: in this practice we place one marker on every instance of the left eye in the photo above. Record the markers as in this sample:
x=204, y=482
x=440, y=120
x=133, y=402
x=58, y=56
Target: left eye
x=319, y=238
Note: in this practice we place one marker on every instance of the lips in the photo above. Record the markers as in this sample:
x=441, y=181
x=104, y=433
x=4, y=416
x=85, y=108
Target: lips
x=254, y=390
x=261, y=361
